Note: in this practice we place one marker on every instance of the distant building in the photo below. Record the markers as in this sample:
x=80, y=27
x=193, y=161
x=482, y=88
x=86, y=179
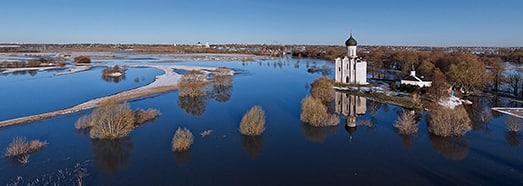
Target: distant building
x=413, y=79
x=350, y=69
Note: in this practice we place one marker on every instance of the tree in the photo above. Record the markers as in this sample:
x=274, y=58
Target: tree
x=438, y=85
x=192, y=83
x=496, y=71
x=322, y=89
x=468, y=72
x=515, y=80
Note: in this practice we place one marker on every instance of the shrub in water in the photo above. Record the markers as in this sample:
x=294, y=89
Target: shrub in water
x=182, y=140
x=449, y=122
x=83, y=122
x=141, y=116
x=253, y=122
x=322, y=88
x=111, y=121
x=82, y=59
x=406, y=123
x=192, y=83
x=20, y=146
x=314, y=113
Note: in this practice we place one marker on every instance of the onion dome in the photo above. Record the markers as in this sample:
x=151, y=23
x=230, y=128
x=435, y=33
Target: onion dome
x=351, y=41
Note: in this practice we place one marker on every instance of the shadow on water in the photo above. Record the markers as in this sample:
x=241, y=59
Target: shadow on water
x=318, y=134
x=181, y=158
x=453, y=148
x=111, y=155
x=253, y=145
x=513, y=138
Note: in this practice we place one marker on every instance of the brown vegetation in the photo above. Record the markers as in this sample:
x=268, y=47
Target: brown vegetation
x=406, y=123
x=322, y=89
x=513, y=124
x=112, y=121
x=83, y=122
x=253, y=122
x=112, y=71
x=38, y=62
x=82, y=59
x=222, y=76
x=141, y=116
x=192, y=83
x=182, y=140
x=448, y=122
x=314, y=113
x=20, y=146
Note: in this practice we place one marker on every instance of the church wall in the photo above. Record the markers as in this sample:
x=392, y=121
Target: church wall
x=338, y=72
x=361, y=74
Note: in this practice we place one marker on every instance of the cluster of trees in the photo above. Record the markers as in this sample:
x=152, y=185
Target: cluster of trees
x=39, y=62
x=468, y=72
x=195, y=89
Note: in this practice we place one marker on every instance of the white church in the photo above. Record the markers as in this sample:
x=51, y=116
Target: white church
x=350, y=69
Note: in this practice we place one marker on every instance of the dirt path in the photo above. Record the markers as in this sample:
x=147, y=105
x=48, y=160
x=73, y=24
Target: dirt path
x=163, y=83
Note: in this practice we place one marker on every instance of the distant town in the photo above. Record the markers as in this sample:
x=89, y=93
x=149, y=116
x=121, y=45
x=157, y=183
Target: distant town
x=330, y=52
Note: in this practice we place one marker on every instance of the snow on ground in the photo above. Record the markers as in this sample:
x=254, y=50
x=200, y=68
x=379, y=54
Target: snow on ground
x=452, y=102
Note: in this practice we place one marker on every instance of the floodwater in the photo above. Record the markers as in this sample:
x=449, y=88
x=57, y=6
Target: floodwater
x=288, y=152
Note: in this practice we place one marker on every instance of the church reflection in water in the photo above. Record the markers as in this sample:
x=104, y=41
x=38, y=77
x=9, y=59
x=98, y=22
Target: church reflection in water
x=350, y=106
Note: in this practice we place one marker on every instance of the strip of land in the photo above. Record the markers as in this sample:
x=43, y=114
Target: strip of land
x=517, y=112
x=163, y=83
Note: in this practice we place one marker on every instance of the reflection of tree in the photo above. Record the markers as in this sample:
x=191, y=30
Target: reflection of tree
x=113, y=79
x=111, y=155
x=373, y=107
x=513, y=138
x=454, y=148
x=182, y=157
x=253, y=145
x=407, y=140
x=480, y=113
x=193, y=105
x=221, y=93
x=318, y=134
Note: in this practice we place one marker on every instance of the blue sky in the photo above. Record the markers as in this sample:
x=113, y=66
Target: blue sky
x=374, y=22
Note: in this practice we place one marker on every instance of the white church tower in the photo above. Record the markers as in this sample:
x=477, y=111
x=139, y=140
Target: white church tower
x=350, y=69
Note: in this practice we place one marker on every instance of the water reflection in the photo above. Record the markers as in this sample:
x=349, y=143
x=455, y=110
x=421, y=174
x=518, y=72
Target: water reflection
x=181, y=158
x=453, y=148
x=195, y=106
x=318, y=134
x=112, y=155
x=513, y=138
x=113, y=79
x=253, y=145
x=350, y=106
x=480, y=113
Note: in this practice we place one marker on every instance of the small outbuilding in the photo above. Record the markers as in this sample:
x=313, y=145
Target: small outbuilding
x=413, y=79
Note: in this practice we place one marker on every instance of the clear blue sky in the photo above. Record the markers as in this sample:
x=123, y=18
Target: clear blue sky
x=374, y=22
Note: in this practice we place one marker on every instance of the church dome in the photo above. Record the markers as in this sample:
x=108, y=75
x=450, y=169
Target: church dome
x=351, y=41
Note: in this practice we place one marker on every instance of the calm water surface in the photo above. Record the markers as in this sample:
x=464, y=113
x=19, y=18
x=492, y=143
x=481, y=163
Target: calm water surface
x=288, y=153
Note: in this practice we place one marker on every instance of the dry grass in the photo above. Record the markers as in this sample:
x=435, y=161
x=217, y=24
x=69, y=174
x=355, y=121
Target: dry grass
x=448, y=122
x=513, y=124
x=112, y=121
x=141, y=116
x=20, y=146
x=182, y=140
x=253, y=122
x=314, y=113
x=83, y=122
x=322, y=88
x=406, y=123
